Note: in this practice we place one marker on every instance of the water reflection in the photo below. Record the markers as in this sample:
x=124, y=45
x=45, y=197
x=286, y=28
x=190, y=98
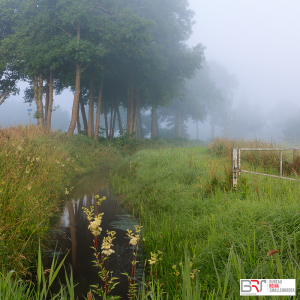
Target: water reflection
x=74, y=235
x=72, y=232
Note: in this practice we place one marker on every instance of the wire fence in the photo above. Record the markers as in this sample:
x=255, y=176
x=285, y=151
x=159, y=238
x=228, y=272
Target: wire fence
x=236, y=162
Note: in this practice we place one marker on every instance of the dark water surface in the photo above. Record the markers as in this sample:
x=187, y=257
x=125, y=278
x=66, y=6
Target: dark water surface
x=72, y=234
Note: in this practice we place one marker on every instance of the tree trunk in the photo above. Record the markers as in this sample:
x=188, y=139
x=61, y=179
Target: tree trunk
x=85, y=125
x=178, y=131
x=105, y=119
x=111, y=118
x=41, y=97
x=119, y=121
x=114, y=123
x=135, y=111
x=38, y=95
x=47, y=100
x=197, y=130
x=98, y=109
x=153, y=121
x=48, y=112
x=129, y=111
x=75, y=102
x=91, y=108
x=140, y=125
x=4, y=96
x=77, y=91
x=78, y=122
x=212, y=120
x=137, y=129
x=156, y=123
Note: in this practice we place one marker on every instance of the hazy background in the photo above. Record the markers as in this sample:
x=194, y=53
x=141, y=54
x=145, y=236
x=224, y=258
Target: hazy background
x=257, y=40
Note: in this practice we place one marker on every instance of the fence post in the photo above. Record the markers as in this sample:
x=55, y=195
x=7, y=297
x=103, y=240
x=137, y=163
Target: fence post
x=234, y=159
x=239, y=159
x=280, y=163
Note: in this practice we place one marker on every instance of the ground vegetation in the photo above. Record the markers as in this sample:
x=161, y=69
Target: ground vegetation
x=186, y=203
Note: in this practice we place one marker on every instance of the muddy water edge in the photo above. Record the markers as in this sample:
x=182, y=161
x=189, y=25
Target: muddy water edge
x=72, y=236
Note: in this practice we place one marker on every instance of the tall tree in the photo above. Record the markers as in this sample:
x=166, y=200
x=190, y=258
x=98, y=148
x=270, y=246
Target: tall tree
x=33, y=45
x=9, y=75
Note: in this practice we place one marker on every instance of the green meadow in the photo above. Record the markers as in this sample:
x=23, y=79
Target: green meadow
x=187, y=206
x=199, y=235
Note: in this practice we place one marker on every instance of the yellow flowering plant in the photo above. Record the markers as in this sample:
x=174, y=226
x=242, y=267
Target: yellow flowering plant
x=134, y=240
x=101, y=256
x=153, y=261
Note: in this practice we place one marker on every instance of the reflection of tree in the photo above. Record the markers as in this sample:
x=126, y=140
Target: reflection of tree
x=88, y=205
x=72, y=231
x=79, y=213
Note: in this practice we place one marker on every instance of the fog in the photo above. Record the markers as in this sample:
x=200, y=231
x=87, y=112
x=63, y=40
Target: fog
x=15, y=112
x=255, y=40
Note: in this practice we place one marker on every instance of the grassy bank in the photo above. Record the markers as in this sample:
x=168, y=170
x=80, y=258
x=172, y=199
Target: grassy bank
x=182, y=195
x=185, y=201
x=127, y=146
x=36, y=174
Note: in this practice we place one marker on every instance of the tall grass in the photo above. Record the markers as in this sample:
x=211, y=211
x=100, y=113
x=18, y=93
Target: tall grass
x=269, y=160
x=185, y=201
x=14, y=287
x=36, y=173
x=127, y=145
x=183, y=197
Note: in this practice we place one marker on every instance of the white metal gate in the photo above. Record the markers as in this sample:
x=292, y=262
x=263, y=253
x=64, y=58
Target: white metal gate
x=236, y=162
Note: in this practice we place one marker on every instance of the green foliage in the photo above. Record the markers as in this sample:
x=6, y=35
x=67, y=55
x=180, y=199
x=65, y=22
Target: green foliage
x=129, y=44
x=185, y=201
x=13, y=287
x=36, y=174
x=245, y=188
x=127, y=145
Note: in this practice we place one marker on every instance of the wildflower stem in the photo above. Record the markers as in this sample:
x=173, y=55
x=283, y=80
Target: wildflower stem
x=149, y=280
x=137, y=247
x=106, y=273
x=130, y=286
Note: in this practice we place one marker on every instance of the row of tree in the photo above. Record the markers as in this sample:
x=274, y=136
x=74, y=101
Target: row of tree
x=110, y=53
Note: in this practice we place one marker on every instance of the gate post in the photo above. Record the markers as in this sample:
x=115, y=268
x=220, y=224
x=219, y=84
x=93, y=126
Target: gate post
x=234, y=159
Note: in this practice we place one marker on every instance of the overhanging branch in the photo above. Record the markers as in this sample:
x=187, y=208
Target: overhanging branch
x=4, y=96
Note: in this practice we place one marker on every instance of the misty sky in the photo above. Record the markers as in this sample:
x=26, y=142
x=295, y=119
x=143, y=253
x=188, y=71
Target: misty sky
x=258, y=40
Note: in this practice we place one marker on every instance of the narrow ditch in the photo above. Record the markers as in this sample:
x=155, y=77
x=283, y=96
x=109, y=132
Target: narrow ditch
x=72, y=237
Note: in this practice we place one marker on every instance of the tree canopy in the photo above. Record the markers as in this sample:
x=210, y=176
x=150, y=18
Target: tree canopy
x=111, y=53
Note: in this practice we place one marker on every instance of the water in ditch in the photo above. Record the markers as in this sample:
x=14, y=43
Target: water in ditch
x=72, y=234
